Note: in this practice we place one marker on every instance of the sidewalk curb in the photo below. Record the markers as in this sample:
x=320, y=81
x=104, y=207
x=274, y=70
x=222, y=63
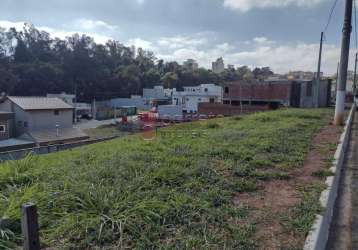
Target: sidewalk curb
x=318, y=237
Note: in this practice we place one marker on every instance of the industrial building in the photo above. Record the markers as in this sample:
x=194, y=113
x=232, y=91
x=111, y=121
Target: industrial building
x=278, y=93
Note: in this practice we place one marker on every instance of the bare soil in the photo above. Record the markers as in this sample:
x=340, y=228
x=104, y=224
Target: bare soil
x=274, y=199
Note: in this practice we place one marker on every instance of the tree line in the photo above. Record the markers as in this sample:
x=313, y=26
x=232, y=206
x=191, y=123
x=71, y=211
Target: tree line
x=32, y=63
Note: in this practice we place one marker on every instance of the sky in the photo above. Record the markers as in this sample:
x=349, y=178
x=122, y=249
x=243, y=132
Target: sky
x=281, y=34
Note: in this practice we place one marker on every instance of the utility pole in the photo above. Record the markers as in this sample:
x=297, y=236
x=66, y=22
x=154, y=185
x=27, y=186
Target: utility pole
x=355, y=76
x=318, y=77
x=342, y=80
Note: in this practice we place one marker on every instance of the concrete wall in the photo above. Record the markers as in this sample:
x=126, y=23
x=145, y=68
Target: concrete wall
x=46, y=119
x=229, y=110
x=20, y=117
x=170, y=112
x=8, y=124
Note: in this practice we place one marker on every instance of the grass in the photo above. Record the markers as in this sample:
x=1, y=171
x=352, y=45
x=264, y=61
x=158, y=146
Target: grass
x=104, y=131
x=175, y=192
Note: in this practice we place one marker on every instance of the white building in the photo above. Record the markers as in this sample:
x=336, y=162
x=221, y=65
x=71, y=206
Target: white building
x=157, y=93
x=190, y=98
x=191, y=64
x=218, y=66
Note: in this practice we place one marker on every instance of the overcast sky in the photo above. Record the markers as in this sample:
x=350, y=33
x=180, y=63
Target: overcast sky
x=282, y=34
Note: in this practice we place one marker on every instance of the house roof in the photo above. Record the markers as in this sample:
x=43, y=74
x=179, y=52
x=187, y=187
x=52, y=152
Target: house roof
x=39, y=103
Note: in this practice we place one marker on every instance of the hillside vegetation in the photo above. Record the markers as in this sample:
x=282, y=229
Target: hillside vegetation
x=175, y=192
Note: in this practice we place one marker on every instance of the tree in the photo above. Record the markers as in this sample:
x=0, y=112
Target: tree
x=170, y=80
x=33, y=63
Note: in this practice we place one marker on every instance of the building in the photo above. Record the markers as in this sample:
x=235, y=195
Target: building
x=276, y=93
x=302, y=75
x=218, y=66
x=6, y=125
x=231, y=67
x=190, y=98
x=191, y=64
x=170, y=112
x=44, y=120
x=158, y=93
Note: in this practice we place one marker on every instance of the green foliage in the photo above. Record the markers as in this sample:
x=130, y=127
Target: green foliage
x=170, y=193
x=301, y=217
x=323, y=173
x=38, y=64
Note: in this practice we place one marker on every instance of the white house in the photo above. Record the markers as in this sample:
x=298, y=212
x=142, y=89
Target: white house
x=190, y=98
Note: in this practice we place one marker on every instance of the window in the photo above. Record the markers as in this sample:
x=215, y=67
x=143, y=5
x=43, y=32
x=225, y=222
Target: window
x=206, y=90
x=19, y=123
x=26, y=124
x=2, y=128
x=309, y=89
x=212, y=100
x=56, y=112
x=226, y=90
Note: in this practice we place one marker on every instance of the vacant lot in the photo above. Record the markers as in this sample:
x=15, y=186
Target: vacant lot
x=196, y=186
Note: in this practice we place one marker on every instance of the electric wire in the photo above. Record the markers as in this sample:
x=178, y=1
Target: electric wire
x=330, y=16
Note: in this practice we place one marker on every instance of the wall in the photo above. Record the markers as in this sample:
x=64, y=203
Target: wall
x=263, y=92
x=8, y=129
x=20, y=117
x=229, y=110
x=46, y=119
x=170, y=112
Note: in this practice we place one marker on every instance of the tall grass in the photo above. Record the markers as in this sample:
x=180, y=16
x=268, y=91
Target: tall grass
x=175, y=192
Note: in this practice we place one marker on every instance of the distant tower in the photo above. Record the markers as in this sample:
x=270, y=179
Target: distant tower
x=191, y=64
x=218, y=66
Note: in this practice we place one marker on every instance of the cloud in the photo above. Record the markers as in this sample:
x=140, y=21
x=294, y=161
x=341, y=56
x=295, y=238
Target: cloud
x=140, y=43
x=60, y=33
x=205, y=48
x=8, y=24
x=178, y=42
x=262, y=52
x=247, y=5
x=88, y=25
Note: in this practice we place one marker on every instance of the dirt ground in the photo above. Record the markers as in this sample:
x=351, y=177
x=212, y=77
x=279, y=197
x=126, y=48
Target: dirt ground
x=275, y=198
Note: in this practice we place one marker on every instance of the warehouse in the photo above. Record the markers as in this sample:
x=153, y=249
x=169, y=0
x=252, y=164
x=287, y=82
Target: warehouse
x=277, y=93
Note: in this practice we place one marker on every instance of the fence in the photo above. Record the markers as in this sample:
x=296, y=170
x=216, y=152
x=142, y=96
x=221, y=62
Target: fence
x=22, y=153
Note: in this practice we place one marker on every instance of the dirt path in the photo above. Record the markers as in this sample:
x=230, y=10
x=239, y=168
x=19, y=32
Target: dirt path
x=344, y=231
x=275, y=198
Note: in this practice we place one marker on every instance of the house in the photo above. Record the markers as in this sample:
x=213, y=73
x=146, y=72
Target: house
x=6, y=125
x=279, y=92
x=190, y=98
x=43, y=120
x=67, y=98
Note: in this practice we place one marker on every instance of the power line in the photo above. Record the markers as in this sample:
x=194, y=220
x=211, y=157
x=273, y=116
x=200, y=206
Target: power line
x=330, y=16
